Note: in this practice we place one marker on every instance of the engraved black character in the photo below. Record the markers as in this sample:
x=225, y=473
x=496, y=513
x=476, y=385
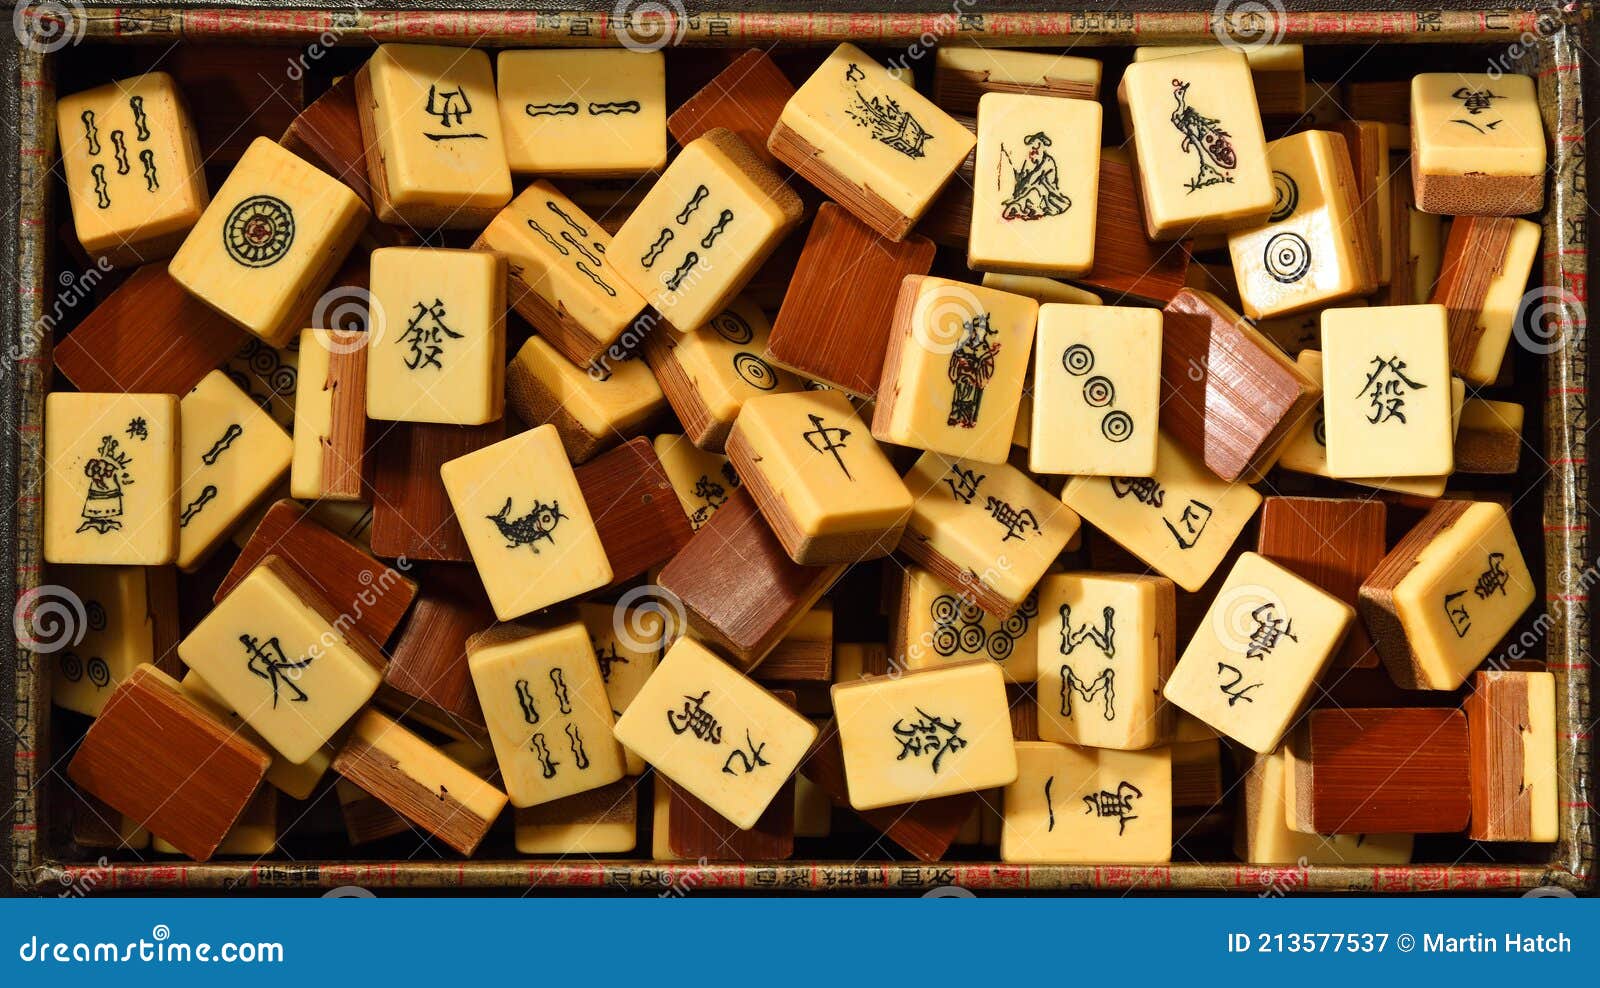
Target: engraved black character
x=1460, y=620
x=675, y=279
x=723, y=219
x=1476, y=102
x=559, y=681
x=970, y=368
x=451, y=107
x=108, y=474
x=580, y=758
x=259, y=231
x=607, y=656
x=530, y=712
x=1267, y=632
x=547, y=764
x=1203, y=135
x=964, y=483
x=138, y=428
x=426, y=333
x=749, y=760
x=539, y=523
x=1286, y=257
x=567, y=109
x=1117, y=804
x=1145, y=490
x=1035, y=184
x=1049, y=804
x=1191, y=523
x=266, y=659
x=713, y=494
x=147, y=161
x=827, y=439
x=119, y=150
x=1017, y=524
x=1234, y=691
x=1492, y=579
x=688, y=210
x=222, y=445
x=1386, y=388
x=102, y=192
x=929, y=736
x=141, y=123
x=696, y=719
x=890, y=124
x=206, y=496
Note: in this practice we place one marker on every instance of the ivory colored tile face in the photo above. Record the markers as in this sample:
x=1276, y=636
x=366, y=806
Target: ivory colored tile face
x=118, y=634
x=1310, y=251
x=1266, y=838
x=819, y=478
x=544, y=702
x=1459, y=584
x=1258, y=651
x=586, y=114
x=133, y=168
x=1105, y=648
x=1088, y=806
x=1502, y=301
x=294, y=780
x=939, y=627
x=111, y=478
x=1386, y=391
x=703, y=229
x=710, y=373
x=313, y=414
x=715, y=733
x=703, y=481
x=1039, y=289
x=231, y=455
x=957, y=363
x=272, y=651
x=429, y=116
x=438, y=336
x=984, y=528
x=926, y=734
x=600, y=821
x=562, y=280
x=875, y=134
x=269, y=375
x=1470, y=130
x=628, y=642
x=269, y=241
x=1181, y=520
x=1202, y=159
x=1036, y=185
x=1096, y=390
x=593, y=407
x=529, y=531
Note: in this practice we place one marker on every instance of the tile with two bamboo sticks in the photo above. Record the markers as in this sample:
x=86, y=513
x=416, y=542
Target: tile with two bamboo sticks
x=156, y=757
x=583, y=113
x=231, y=456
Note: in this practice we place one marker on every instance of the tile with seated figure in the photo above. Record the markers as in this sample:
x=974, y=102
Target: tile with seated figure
x=118, y=631
x=1038, y=177
x=1202, y=157
x=1312, y=250
x=561, y=280
x=822, y=483
x=937, y=732
x=985, y=528
x=125, y=212
x=709, y=374
x=231, y=456
x=592, y=408
x=1258, y=652
x=273, y=650
x=511, y=497
x=703, y=229
x=1107, y=643
x=431, y=123
x=1096, y=390
x=715, y=733
x=871, y=142
x=1181, y=521
x=583, y=113
x=1477, y=144
x=703, y=481
x=544, y=702
x=936, y=625
x=271, y=239
x=1511, y=730
x=1386, y=400
x=1073, y=805
x=437, y=331
x=1446, y=593
x=111, y=478
x=955, y=370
